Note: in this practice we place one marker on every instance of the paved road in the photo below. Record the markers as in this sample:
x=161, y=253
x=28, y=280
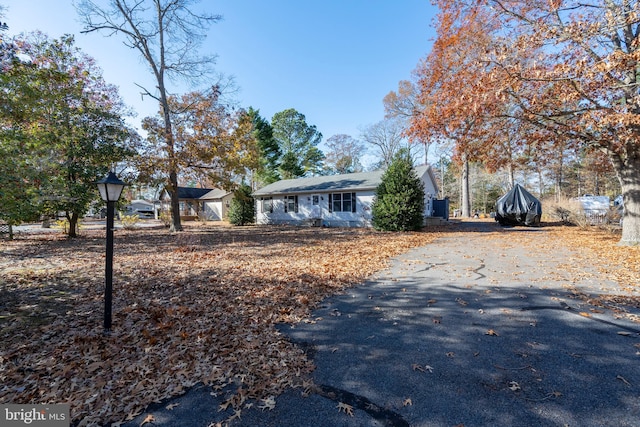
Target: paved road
x=474, y=330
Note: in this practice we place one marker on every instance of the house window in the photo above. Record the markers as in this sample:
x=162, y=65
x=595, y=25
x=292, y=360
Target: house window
x=342, y=202
x=267, y=204
x=290, y=204
x=315, y=200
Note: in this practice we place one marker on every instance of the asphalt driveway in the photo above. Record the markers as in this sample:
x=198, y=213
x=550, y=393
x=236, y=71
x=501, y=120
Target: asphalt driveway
x=476, y=329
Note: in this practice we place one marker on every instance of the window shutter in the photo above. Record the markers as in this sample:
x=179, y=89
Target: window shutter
x=330, y=202
x=286, y=203
x=296, y=203
x=353, y=202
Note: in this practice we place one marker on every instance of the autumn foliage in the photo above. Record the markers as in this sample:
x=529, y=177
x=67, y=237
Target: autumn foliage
x=511, y=81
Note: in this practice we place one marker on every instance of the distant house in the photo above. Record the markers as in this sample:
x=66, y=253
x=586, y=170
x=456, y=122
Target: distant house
x=331, y=201
x=208, y=203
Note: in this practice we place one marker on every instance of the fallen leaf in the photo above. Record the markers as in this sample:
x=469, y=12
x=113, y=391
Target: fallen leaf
x=224, y=406
x=491, y=332
x=236, y=414
x=514, y=386
x=432, y=301
x=268, y=403
x=407, y=402
x=148, y=419
x=348, y=409
x=170, y=406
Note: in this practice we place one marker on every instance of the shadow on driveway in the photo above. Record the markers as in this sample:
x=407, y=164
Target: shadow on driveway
x=477, y=329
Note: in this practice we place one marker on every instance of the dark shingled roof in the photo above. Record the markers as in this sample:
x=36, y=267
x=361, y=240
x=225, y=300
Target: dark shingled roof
x=192, y=193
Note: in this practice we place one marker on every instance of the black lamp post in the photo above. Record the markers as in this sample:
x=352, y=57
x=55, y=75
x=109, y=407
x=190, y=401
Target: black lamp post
x=110, y=189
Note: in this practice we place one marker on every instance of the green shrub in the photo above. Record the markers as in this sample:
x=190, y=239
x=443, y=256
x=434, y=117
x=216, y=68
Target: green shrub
x=399, y=200
x=242, y=208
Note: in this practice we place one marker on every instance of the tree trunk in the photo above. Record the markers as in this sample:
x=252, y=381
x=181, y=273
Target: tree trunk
x=73, y=224
x=466, y=200
x=512, y=178
x=442, y=177
x=629, y=177
x=540, y=183
x=176, y=224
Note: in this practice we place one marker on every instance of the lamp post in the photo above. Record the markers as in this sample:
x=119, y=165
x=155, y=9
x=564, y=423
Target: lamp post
x=110, y=189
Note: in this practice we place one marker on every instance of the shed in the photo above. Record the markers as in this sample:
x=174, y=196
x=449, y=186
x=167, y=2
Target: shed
x=207, y=203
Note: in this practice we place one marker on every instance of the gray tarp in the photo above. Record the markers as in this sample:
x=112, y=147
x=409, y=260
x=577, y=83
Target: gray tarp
x=518, y=207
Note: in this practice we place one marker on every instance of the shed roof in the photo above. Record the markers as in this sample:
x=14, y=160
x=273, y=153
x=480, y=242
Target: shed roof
x=360, y=181
x=215, y=193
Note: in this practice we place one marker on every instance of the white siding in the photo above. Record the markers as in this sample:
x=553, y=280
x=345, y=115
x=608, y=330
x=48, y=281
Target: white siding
x=306, y=210
x=216, y=209
x=360, y=218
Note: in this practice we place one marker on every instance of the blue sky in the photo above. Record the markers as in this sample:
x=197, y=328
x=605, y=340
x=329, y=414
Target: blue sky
x=332, y=60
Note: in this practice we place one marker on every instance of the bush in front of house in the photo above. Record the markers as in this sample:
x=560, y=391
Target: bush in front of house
x=242, y=208
x=399, y=200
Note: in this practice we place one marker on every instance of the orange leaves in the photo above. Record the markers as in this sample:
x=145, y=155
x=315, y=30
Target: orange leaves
x=199, y=306
x=148, y=419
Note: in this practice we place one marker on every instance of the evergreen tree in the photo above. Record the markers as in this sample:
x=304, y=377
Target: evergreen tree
x=269, y=150
x=298, y=142
x=399, y=201
x=242, y=208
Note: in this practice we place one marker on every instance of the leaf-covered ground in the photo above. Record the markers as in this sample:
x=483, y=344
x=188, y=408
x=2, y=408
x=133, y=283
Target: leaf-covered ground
x=196, y=306
x=621, y=264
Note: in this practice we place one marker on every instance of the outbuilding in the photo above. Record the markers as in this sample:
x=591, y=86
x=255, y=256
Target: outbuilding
x=207, y=203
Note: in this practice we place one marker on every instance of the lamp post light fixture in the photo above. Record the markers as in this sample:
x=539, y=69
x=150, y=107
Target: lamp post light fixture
x=110, y=190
